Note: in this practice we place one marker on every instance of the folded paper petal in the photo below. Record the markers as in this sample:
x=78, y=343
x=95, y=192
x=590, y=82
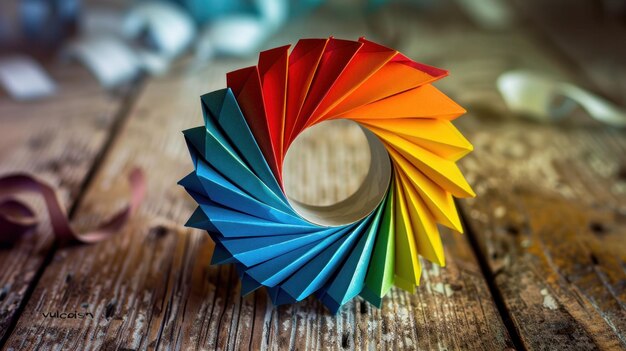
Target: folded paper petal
x=380, y=272
x=222, y=107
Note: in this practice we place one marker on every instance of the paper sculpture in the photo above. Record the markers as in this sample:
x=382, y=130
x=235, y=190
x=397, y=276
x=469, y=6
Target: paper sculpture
x=249, y=126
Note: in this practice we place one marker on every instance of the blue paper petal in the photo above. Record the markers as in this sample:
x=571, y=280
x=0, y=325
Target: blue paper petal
x=316, y=273
x=221, y=107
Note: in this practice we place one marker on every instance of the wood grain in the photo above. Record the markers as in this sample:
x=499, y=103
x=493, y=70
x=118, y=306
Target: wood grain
x=152, y=287
x=58, y=139
x=548, y=219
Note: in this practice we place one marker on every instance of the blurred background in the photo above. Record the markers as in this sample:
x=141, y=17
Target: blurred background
x=118, y=41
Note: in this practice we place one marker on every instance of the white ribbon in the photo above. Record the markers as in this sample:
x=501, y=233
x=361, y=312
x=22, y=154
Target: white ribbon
x=535, y=96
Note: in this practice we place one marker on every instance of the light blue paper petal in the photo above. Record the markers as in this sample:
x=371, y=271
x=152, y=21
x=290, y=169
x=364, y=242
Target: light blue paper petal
x=316, y=273
x=223, y=192
x=191, y=182
x=349, y=281
x=221, y=107
x=221, y=255
x=276, y=270
x=231, y=166
x=255, y=250
x=199, y=220
x=231, y=223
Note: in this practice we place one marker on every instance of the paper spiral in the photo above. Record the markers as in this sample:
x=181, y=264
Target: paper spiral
x=239, y=152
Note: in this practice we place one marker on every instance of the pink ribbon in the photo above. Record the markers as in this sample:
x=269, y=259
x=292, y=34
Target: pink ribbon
x=17, y=219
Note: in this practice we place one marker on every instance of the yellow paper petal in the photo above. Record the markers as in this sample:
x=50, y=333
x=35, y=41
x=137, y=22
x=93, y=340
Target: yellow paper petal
x=440, y=202
x=407, y=265
x=437, y=136
x=441, y=171
x=427, y=237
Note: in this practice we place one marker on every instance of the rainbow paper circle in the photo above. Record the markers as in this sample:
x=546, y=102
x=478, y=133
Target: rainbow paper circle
x=238, y=156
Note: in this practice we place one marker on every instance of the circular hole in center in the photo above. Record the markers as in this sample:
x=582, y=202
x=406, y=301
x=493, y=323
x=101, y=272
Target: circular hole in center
x=326, y=163
x=336, y=172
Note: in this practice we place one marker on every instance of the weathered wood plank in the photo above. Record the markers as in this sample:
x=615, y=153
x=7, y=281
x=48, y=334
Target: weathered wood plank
x=549, y=215
x=59, y=139
x=152, y=285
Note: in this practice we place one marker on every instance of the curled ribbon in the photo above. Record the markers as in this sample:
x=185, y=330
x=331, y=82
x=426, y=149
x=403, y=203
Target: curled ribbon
x=533, y=95
x=18, y=219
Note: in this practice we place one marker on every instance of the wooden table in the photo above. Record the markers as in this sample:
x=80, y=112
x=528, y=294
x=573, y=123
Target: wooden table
x=542, y=265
